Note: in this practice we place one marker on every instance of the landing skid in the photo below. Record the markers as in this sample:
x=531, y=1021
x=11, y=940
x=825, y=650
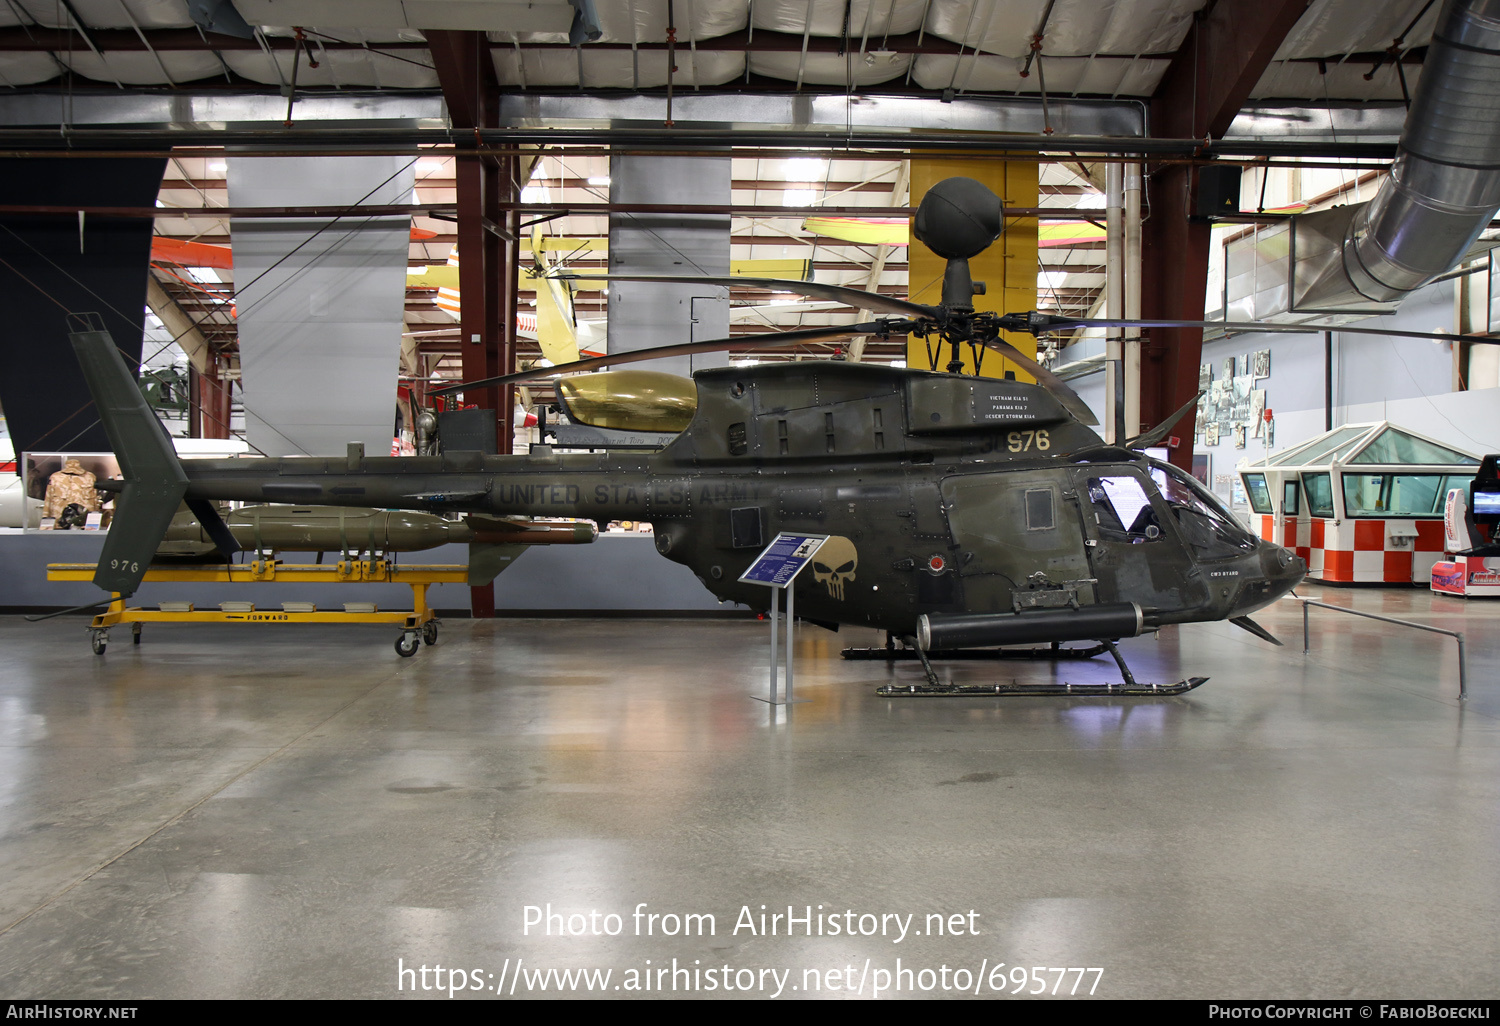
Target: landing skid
x=934, y=688
x=927, y=690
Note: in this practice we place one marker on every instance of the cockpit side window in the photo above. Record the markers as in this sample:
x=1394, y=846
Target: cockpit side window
x=1208, y=527
x=1123, y=509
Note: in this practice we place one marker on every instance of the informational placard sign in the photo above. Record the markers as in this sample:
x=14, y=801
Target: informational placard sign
x=777, y=567
x=780, y=562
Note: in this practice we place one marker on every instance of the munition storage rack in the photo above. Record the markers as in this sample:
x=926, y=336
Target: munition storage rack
x=418, y=624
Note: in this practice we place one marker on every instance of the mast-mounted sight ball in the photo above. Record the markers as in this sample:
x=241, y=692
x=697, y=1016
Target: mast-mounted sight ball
x=959, y=218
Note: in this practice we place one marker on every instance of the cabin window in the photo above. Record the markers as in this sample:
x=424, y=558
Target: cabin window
x=1039, y=516
x=1259, y=494
x=1289, y=497
x=1398, y=495
x=1319, y=494
x=1123, y=510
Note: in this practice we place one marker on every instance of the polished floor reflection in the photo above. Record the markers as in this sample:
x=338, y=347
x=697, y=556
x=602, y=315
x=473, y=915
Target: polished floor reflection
x=297, y=812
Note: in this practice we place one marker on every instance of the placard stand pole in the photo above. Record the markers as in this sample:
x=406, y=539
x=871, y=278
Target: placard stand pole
x=782, y=646
x=775, y=608
x=791, y=621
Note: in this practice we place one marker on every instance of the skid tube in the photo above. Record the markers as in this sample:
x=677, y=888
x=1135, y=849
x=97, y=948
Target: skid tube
x=1130, y=687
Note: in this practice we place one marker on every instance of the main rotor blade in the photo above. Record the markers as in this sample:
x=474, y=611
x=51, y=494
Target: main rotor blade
x=1051, y=382
x=805, y=336
x=1249, y=326
x=858, y=298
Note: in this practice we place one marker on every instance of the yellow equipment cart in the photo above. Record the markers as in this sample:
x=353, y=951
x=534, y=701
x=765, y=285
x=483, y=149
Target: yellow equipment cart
x=418, y=624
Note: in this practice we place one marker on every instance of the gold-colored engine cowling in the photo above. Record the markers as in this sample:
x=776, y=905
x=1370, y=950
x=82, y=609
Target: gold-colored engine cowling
x=630, y=400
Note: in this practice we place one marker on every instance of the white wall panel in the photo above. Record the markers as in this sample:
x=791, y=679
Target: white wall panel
x=647, y=314
x=320, y=303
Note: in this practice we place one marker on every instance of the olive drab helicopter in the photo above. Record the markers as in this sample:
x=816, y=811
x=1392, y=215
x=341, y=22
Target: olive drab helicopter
x=961, y=511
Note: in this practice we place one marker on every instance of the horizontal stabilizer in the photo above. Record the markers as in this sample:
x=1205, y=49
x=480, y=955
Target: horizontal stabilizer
x=214, y=526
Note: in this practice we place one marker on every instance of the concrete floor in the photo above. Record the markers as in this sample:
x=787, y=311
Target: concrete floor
x=287, y=812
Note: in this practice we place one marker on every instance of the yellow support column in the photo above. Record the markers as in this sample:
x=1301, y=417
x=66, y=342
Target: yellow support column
x=1008, y=268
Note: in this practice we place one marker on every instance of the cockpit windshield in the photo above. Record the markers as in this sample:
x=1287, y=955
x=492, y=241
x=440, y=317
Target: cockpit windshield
x=1206, y=522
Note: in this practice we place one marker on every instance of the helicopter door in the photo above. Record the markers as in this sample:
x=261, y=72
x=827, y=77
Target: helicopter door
x=1134, y=549
x=1019, y=540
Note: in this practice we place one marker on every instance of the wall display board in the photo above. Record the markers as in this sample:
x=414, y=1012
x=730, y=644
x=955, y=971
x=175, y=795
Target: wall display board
x=1233, y=407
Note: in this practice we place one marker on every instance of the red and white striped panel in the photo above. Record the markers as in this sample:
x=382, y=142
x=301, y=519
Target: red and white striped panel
x=1363, y=551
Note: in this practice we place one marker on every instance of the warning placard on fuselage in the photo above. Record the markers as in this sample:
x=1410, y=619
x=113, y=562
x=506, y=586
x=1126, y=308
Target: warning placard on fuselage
x=779, y=562
x=947, y=403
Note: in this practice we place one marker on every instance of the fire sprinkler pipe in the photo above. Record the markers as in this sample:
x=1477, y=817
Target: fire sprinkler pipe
x=1114, y=303
x=1132, y=342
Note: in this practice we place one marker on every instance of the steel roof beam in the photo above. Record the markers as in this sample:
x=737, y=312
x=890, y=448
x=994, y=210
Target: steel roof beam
x=487, y=236
x=1223, y=56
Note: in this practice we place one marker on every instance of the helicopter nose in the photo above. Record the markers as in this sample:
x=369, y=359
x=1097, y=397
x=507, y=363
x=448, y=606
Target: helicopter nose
x=1292, y=567
x=1280, y=571
x=1283, y=570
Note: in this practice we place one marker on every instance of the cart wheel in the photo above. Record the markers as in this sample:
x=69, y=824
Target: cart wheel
x=429, y=632
x=135, y=634
x=407, y=644
x=97, y=641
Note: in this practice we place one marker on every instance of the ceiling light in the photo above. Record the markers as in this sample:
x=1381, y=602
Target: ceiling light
x=599, y=180
x=805, y=169
x=427, y=167
x=218, y=166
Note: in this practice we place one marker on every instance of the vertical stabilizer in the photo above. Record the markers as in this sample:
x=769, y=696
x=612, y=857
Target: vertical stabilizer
x=154, y=479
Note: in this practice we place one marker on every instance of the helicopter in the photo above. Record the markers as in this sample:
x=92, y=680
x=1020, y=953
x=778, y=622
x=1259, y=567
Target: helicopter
x=959, y=510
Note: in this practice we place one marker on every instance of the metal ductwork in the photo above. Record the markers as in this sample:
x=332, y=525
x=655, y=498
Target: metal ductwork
x=1443, y=189
x=1445, y=184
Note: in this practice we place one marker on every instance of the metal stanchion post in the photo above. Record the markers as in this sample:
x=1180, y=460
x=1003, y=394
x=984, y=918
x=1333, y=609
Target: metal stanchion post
x=791, y=622
x=1463, y=674
x=775, y=608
